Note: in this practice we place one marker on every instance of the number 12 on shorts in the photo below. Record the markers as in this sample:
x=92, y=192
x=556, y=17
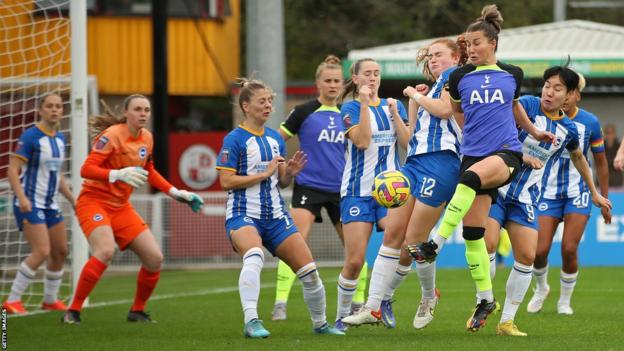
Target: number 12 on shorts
x=426, y=189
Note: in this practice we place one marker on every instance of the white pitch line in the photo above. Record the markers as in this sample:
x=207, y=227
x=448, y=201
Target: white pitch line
x=214, y=291
x=205, y=292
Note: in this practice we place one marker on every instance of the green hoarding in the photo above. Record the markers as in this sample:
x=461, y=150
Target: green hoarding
x=591, y=68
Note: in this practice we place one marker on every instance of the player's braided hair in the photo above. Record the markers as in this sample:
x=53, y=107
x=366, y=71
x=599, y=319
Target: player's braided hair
x=330, y=62
x=349, y=87
x=490, y=22
x=248, y=87
x=99, y=123
x=458, y=48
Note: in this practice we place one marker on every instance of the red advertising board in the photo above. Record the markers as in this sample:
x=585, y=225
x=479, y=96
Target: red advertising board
x=192, y=162
x=193, y=158
x=198, y=236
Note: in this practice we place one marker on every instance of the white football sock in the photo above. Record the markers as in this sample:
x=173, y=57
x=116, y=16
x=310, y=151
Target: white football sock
x=517, y=285
x=51, y=285
x=541, y=278
x=25, y=275
x=313, y=293
x=568, y=282
x=385, y=267
x=249, y=282
x=397, y=278
x=426, y=273
x=440, y=241
x=486, y=295
x=346, y=290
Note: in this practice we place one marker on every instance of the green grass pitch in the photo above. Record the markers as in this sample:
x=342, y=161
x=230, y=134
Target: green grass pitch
x=200, y=310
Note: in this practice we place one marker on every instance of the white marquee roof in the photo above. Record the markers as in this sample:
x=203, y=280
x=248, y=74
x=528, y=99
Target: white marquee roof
x=580, y=39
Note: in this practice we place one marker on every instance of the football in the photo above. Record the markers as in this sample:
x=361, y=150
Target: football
x=391, y=189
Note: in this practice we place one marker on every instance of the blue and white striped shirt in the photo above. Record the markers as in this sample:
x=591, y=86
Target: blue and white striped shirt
x=41, y=174
x=563, y=180
x=362, y=166
x=526, y=187
x=246, y=152
x=432, y=133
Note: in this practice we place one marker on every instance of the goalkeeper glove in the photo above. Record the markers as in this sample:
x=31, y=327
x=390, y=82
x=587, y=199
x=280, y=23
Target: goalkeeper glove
x=187, y=197
x=133, y=176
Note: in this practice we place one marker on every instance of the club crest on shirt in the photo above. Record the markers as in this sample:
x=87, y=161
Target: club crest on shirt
x=332, y=123
x=347, y=121
x=101, y=143
x=19, y=146
x=142, y=152
x=225, y=155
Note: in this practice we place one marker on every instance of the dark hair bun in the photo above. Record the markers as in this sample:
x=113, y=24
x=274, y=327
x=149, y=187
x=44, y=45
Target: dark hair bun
x=491, y=15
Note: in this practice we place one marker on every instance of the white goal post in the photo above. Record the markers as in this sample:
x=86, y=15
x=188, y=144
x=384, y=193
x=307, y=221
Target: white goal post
x=43, y=49
x=79, y=119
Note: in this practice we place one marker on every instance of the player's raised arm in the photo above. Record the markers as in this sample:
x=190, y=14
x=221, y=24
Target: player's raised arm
x=484, y=91
x=363, y=86
x=378, y=124
x=433, y=142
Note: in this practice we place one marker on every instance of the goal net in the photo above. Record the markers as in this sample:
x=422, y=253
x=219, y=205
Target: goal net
x=35, y=59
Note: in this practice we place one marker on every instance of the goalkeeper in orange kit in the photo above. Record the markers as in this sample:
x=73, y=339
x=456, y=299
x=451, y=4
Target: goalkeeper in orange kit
x=120, y=160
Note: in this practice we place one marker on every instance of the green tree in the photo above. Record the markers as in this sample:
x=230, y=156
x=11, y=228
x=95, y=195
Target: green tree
x=316, y=28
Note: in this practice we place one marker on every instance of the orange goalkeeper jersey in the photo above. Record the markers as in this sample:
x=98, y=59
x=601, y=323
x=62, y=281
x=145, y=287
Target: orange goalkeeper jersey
x=116, y=148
